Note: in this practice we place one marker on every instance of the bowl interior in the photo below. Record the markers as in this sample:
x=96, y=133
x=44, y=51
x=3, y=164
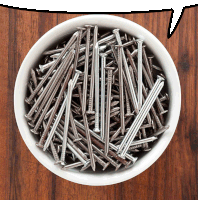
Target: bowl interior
x=58, y=34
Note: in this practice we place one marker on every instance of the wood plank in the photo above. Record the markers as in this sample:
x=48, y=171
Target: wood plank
x=4, y=117
x=29, y=179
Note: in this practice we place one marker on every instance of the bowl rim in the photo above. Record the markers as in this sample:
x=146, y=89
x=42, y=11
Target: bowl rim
x=175, y=91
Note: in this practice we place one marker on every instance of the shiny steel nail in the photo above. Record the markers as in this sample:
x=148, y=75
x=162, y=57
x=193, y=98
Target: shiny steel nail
x=87, y=132
x=164, y=98
x=46, y=66
x=96, y=67
x=73, y=165
x=161, y=130
x=139, y=41
x=100, y=145
x=102, y=102
x=86, y=69
x=119, y=130
x=48, y=113
x=77, y=48
x=112, y=110
x=85, y=162
x=121, y=89
x=141, y=116
x=70, y=42
x=60, y=113
x=47, y=102
x=73, y=149
x=108, y=107
x=130, y=157
x=134, y=53
x=91, y=93
x=116, y=165
x=143, y=87
x=51, y=84
x=34, y=79
x=100, y=161
x=44, y=135
x=73, y=125
x=128, y=90
x=112, y=146
x=67, y=113
x=150, y=83
x=128, y=108
x=147, y=64
x=135, y=147
x=55, y=154
x=78, y=150
x=106, y=39
x=146, y=126
x=112, y=50
x=129, y=81
x=142, y=141
x=85, y=167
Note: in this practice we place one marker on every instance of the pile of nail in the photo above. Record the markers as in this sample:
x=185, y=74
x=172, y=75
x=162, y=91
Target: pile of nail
x=97, y=99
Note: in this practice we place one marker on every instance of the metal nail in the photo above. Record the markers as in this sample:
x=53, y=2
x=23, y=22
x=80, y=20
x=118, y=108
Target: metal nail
x=90, y=105
x=87, y=133
x=112, y=146
x=147, y=64
x=119, y=130
x=73, y=125
x=51, y=84
x=161, y=130
x=96, y=67
x=47, y=102
x=157, y=68
x=121, y=89
x=141, y=116
x=43, y=68
x=67, y=113
x=164, y=98
x=108, y=107
x=77, y=48
x=139, y=41
x=73, y=165
x=33, y=75
x=102, y=102
x=86, y=69
x=55, y=154
x=142, y=141
x=60, y=113
x=129, y=81
x=70, y=42
x=100, y=161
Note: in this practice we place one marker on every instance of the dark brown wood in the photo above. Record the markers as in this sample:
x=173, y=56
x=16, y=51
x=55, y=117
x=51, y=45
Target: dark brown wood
x=173, y=176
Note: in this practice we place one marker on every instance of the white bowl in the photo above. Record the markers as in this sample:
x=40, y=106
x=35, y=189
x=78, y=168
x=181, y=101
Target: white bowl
x=56, y=34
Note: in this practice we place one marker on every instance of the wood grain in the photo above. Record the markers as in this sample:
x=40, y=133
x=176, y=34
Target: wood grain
x=173, y=176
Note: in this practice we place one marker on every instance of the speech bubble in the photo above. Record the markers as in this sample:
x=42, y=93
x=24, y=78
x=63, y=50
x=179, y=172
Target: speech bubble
x=107, y=6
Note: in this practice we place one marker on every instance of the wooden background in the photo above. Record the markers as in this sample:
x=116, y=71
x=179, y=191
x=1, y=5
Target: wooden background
x=173, y=176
